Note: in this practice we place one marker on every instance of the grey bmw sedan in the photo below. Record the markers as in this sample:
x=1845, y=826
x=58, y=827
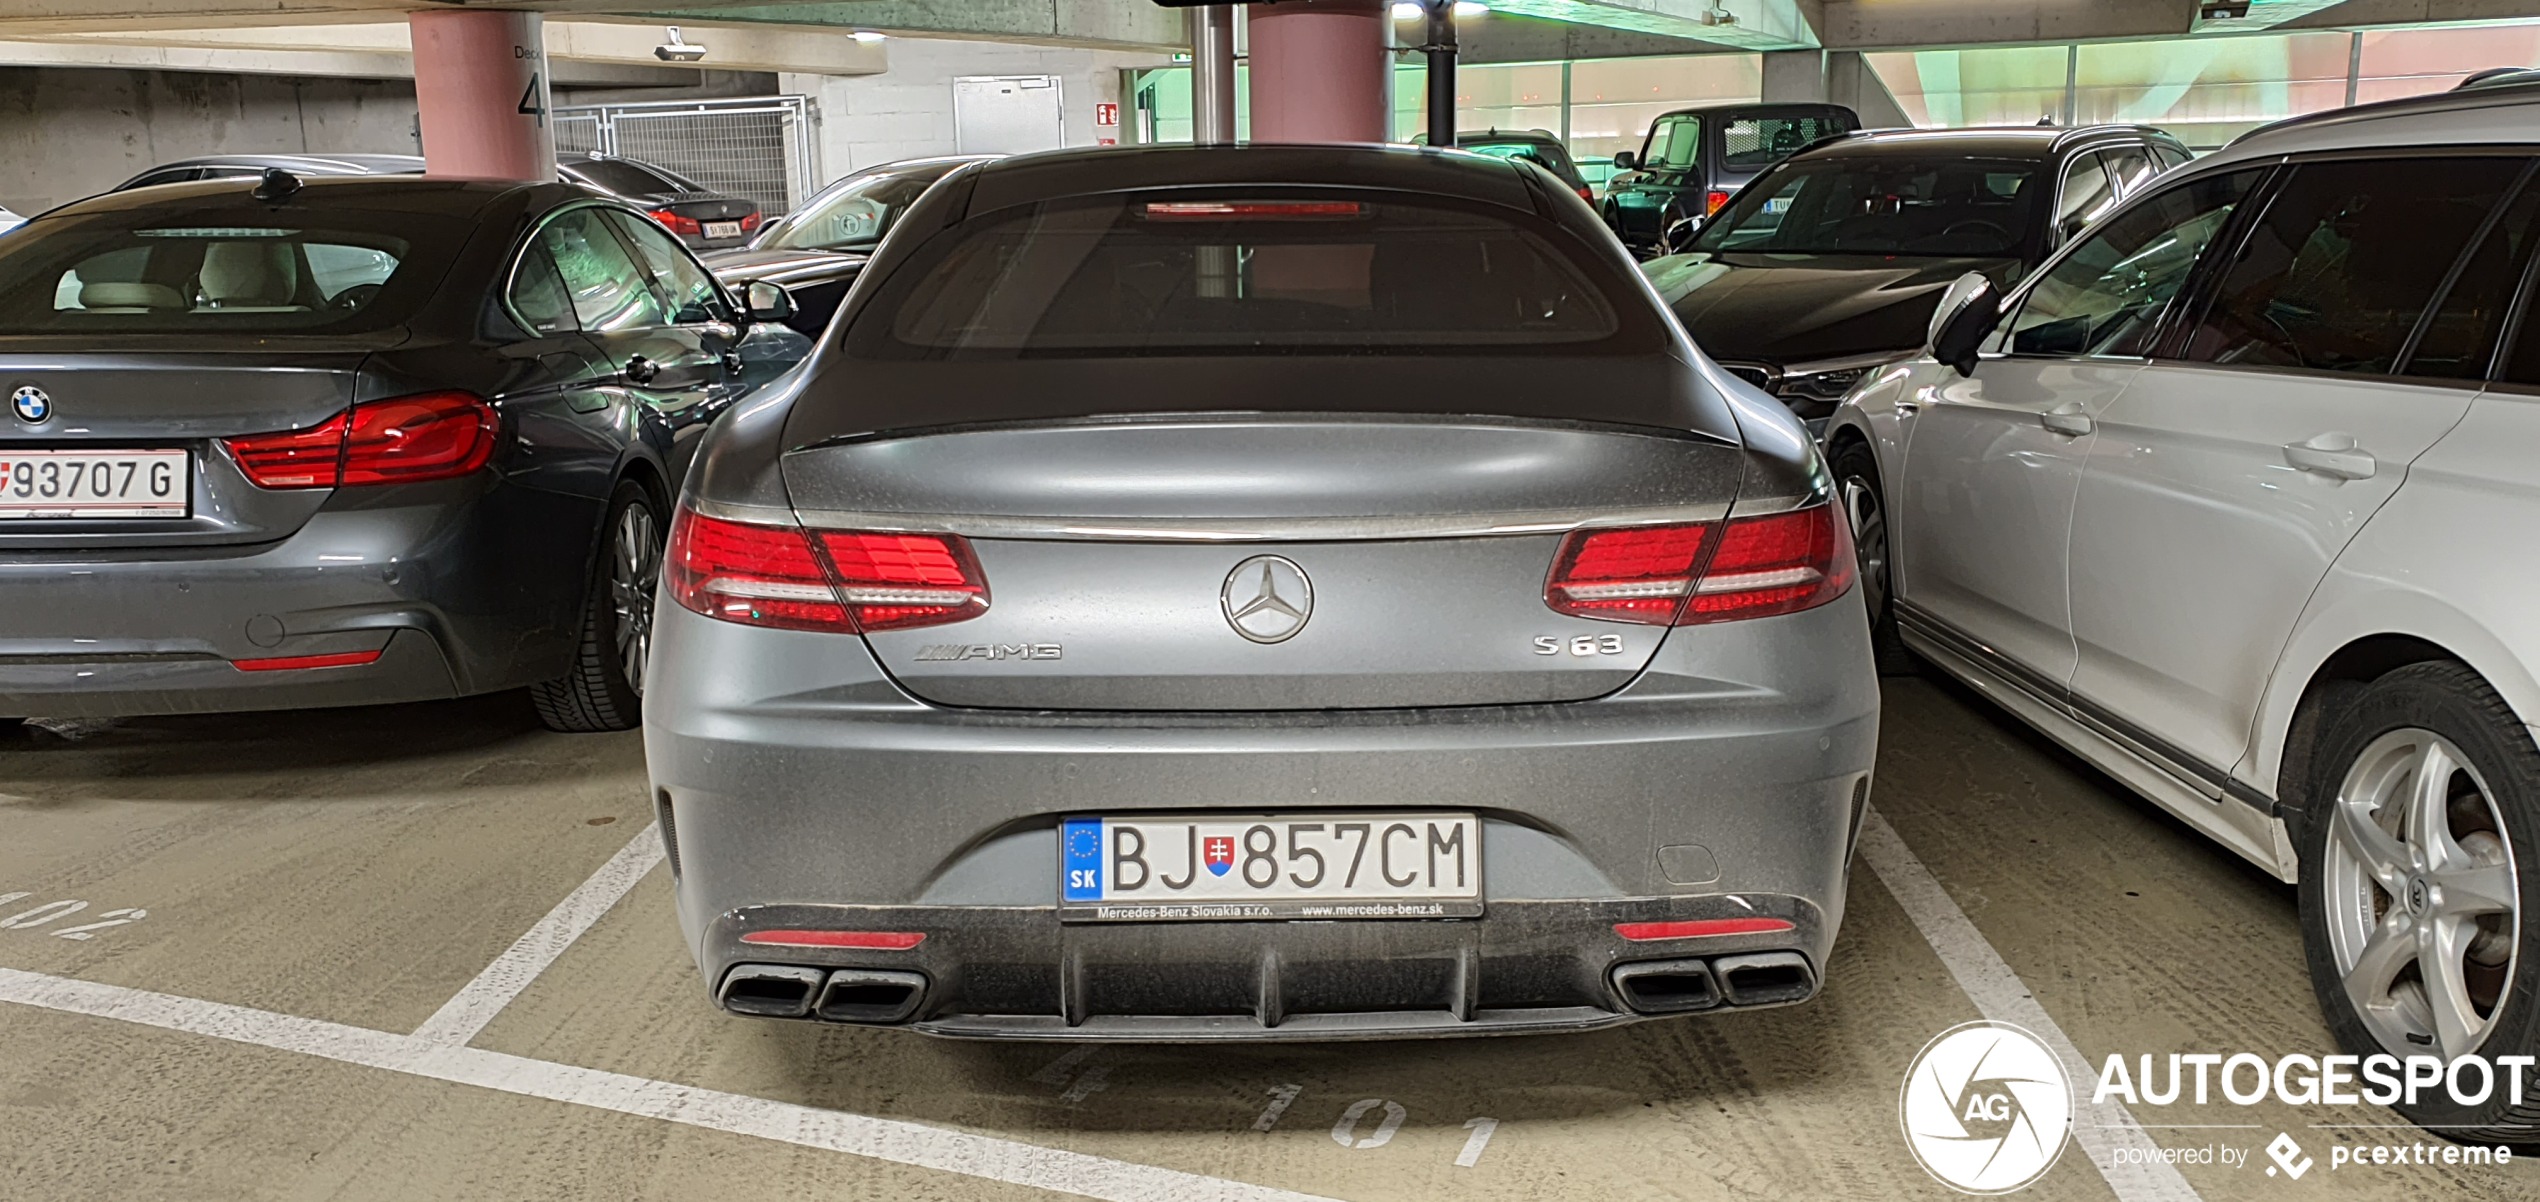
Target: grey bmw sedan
x=1258, y=593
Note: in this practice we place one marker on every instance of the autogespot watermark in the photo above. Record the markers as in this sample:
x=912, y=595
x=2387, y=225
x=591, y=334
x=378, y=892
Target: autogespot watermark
x=1987, y=1107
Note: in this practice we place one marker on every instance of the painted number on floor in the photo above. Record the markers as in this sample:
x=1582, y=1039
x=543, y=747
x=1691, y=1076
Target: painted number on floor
x=40, y=919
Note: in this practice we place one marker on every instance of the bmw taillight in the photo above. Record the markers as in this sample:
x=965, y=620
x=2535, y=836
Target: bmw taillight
x=679, y=223
x=403, y=440
x=749, y=221
x=844, y=581
x=1749, y=567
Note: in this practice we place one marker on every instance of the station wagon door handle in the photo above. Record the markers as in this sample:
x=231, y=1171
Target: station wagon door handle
x=2067, y=418
x=2333, y=455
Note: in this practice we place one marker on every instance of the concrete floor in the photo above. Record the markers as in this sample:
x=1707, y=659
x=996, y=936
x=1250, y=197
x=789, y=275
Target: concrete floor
x=338, y=875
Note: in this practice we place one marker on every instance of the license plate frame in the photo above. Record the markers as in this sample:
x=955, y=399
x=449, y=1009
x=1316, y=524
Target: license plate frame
x=1216, y=857
x=722, y=229
x=27, y=473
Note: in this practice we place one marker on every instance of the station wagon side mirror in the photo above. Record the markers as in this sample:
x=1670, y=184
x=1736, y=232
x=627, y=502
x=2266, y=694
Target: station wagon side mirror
x=1966, y=313
x=1625, y=160
x=764, y=301
x=1679, y=236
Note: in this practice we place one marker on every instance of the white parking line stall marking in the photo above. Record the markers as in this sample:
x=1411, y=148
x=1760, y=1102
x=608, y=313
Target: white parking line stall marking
x=890, y=1140
x=1999, y=995
x=466, y=1013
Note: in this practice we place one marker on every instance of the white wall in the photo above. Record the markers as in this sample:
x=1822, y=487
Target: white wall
x=907, y=111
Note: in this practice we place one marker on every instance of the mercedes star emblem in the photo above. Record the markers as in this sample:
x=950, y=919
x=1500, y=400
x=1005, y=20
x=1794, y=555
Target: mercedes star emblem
x=31, y=403
x=1267, y=599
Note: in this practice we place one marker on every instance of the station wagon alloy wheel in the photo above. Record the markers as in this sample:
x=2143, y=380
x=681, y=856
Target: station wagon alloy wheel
x=634, y=574
x=2422, y=895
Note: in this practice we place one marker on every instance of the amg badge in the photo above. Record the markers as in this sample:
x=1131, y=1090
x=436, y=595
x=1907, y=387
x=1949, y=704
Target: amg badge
x=946, y=651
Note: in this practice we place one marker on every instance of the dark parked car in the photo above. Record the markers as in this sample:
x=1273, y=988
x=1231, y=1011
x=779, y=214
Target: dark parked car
x=701, y=217
x=1537, y=146
x=345, y=441
x=1831, y=263
x=1694, y=159
x=249, y=166
x=815, y=251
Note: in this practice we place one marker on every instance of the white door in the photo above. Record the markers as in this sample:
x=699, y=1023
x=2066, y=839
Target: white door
x=1007, y=114
x=1993, y=461
x=2224, y=483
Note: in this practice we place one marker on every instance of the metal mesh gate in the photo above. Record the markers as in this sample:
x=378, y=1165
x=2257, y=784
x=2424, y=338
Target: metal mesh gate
x=760, y=147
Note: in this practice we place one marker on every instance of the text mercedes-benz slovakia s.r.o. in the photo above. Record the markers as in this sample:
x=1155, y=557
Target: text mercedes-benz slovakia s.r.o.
x=1253, y=593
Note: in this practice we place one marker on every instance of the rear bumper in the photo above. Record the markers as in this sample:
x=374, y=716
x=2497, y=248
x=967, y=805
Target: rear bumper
x=436, y=579
x=799, y=787
x=1019, y=973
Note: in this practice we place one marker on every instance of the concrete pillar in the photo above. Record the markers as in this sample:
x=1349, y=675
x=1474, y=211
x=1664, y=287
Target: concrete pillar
x=1794, y=76
x=481, y=94
x=1320, y=71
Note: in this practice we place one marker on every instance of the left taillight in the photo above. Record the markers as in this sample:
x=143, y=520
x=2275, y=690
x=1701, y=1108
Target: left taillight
x=1713, y=201
x=843, y=581
x=679, y=223
x=1749, y=567
x=402, y=440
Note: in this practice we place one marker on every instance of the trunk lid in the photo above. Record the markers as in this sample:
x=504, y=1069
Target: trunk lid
x=1258, y=563
x=186, y=398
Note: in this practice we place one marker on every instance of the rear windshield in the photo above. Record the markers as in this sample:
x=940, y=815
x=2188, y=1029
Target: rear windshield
x=157, y=272
x=1547, y=155
x=632, y=179
x=1246, y=275
x=1945, y=205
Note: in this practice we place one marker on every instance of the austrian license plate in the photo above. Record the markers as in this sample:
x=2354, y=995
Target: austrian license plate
x=1233, y=866
x=723, y=229
x=94, y=484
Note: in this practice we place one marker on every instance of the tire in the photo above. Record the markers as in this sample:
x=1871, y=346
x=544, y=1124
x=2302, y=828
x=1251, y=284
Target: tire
x=2371, y=756
x=1856, y=475
x=605, y=688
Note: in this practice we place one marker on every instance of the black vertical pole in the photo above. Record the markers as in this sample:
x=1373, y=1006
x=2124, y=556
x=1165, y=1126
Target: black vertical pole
x=1441, y=52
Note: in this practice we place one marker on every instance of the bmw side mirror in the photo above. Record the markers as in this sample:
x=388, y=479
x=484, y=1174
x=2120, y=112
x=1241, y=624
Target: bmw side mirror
x=767, y=302
x=1625, y=160
x=1967, y=312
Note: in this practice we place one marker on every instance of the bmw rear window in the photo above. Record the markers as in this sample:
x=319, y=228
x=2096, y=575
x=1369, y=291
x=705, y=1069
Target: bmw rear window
x=272, y=272
x=1296, y=272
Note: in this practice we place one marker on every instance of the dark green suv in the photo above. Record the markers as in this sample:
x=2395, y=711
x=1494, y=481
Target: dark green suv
x=1694, y=159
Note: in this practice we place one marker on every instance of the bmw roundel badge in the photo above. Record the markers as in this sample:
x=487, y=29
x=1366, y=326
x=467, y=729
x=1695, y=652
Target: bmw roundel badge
x=31, y=404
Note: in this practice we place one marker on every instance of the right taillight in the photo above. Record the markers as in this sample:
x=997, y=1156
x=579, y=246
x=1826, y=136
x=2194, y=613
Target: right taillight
x=832, y=580
x=1749, y=567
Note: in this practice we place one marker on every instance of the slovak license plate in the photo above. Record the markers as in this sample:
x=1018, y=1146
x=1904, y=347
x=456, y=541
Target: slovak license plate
x=723, y=229
x=39, y=484
x=1234, y=866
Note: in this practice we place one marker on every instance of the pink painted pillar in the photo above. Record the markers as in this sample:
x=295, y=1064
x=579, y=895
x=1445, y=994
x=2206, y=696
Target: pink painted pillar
x=481, y=90
x=1320, y=72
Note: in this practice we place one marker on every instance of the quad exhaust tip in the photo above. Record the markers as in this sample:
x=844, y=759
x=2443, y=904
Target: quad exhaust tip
x=847, y=995
x=1684, y=986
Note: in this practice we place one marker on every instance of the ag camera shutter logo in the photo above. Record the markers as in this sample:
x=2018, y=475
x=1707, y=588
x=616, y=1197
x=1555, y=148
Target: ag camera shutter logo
x=1986, y=1108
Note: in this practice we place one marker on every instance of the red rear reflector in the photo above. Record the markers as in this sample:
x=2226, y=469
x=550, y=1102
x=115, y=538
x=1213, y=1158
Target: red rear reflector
x=1251, y=210
x=1643, y=932
x=770, y=575
x=402, y=440
x=1636, y=574
x=884, y=941
x=286, y=663
x=678, y=223
x=1712, y=201
x=1776, y=564
x=1709, y=572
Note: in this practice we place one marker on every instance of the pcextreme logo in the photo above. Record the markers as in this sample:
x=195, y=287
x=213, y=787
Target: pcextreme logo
x=1986, y=1108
